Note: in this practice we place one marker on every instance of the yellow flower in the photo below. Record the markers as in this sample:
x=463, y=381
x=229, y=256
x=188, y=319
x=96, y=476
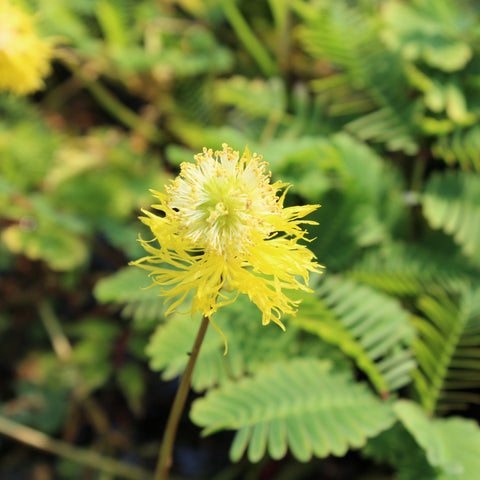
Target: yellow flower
x=222, y=225
x=24, y=57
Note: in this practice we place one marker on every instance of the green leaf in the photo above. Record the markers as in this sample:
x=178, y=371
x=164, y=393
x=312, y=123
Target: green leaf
x=457, y=105
x=397, y=449
x=300, y=405
x=131, y=286
x=362, y=196
x=38, y=405
x=368, y=326
x=451, y=445
x=451, y=201
x=328, y=43
x=59, y=248
x=371, y=83
x=255, y=97
x=197, y=136
x=389, y=125
x=92, y=351
x=432, y=31
x=447, y=350
x=63, y=19
x=27, y=146
x=412, y=269
x=132, y=382
x=461, y=147
x=250, y=345
x=171, y=343
x=113, y=23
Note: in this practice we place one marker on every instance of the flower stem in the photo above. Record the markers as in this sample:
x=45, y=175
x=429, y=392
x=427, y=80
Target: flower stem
x=248, y=38
x=165, y=456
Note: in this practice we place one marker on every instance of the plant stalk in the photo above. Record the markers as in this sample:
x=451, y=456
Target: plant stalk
x=248, y=38
x=63, y=350
x=88, y=457
x=165, y=455
x=110, y=103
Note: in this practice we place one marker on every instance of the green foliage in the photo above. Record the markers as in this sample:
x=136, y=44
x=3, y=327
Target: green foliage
x=423, y=48
x=131, y=287
x=397, y=448
x=367, y=326
x=370, y=82
x=170, y=345
x=37, y=405
x=368, y=108
x=452, y=202
x=410, y=269
x=432, y=32
x=451, y=446
x=93, y=348
x=247, y=351
x=131, y=380
x=27, y=147
x=447, y=351
x=60, y=194
x=256, y=98
x=460, y=146
x=61, y=249
x=300, y=405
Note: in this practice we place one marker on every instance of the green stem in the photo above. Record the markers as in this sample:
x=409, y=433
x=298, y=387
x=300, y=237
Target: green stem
x=248, y=38
x=39, y=440
x=121, y=112
x=108, y=101
x=60, y=342
x=419, y=167
x=282, y=16
x=165, y=456
x=63, y=350
x=416, y=186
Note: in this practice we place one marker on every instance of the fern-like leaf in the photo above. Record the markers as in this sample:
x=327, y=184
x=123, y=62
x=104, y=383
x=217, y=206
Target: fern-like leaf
x=397, y=448
x=451, y=446
x=413, y=269
x=434, y=32
x=368, y=326
x=257, y=98
x=130, y=286
x=363, y=197
x=462, y=146
x=169, y=348
x=451, y=201
x=447, y=351
x=300, y=405
x=250, y=346
x=371, y=77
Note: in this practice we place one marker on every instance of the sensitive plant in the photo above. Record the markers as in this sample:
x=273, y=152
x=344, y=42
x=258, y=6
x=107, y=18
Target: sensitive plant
x=222, y=227
x=402, y=259
x=382, y=130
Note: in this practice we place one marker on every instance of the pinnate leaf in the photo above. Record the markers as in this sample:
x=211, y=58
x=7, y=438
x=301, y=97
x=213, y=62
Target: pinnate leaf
x=301, y=405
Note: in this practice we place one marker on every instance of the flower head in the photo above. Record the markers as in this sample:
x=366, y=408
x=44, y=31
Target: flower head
x=24, y=57
x=223, y=226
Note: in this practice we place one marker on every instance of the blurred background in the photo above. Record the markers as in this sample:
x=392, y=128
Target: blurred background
x=369, y=107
